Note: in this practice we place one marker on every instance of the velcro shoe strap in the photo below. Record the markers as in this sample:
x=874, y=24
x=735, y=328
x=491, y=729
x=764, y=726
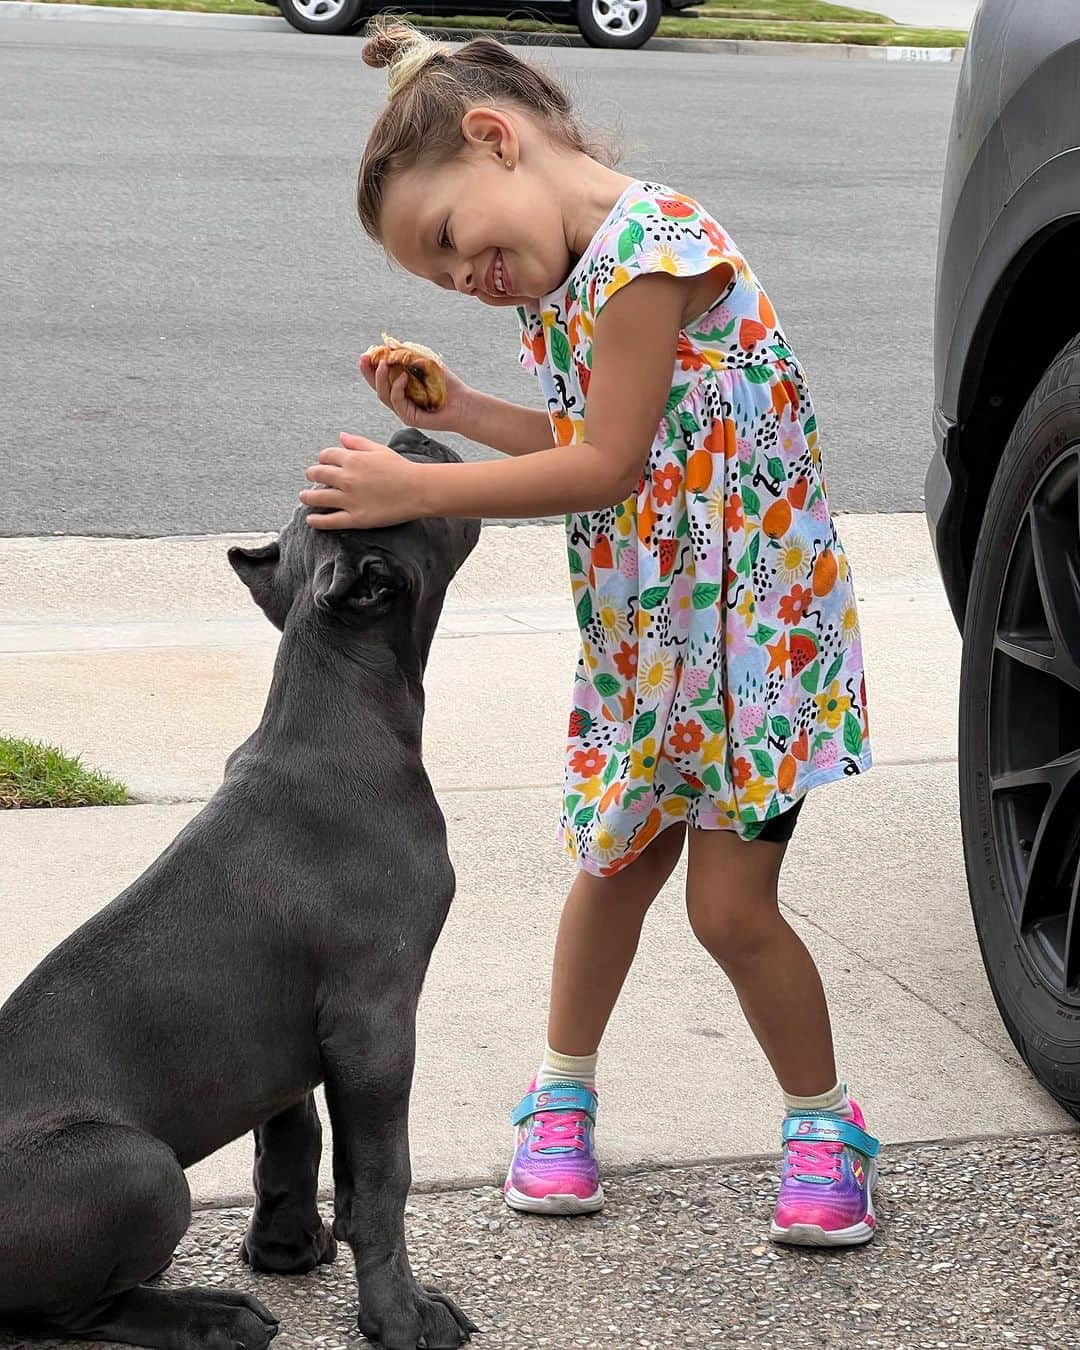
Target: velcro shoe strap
x=829, y=1130
x=555, y=1097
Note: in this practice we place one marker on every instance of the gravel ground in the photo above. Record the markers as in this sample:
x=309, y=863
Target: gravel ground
x=972, y=1252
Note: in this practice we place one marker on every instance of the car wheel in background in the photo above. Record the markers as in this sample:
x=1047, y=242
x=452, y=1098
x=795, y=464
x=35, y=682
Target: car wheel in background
x=323, y=16
x=618, y=23
x=1020, y=733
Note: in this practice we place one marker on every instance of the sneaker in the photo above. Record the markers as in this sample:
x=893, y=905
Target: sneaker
x=554, y=1169
x=826, y=1181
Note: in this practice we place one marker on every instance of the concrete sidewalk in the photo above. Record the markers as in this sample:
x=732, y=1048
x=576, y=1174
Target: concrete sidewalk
x=148, y=657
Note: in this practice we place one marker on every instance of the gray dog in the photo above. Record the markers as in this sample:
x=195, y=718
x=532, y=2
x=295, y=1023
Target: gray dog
x=279, y=942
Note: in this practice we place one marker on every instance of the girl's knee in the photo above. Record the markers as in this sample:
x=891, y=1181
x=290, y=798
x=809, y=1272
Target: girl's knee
x=729, y=928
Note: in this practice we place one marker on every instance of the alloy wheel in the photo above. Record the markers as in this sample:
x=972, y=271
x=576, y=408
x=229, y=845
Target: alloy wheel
x=1034, y=729
x=620, y=18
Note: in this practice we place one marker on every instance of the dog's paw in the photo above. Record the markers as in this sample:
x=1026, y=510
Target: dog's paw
x=273, y=1257
x=219, y=1319
x=450, y=1317
x=429, y=1320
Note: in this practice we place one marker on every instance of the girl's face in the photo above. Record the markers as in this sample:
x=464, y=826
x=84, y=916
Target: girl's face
x=489, y=223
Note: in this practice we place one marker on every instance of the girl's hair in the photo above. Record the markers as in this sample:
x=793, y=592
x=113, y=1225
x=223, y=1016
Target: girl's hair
x=432, y=87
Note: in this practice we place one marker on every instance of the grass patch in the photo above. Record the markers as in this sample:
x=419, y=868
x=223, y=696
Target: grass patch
x=32, y=774
x=195, y=6
x=745, y=20
x=706, y=26
x=806, y=11
x=858, y=34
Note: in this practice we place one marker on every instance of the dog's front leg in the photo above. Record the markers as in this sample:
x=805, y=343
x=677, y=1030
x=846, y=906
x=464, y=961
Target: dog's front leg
x=286, y=1236
x=368, y=1075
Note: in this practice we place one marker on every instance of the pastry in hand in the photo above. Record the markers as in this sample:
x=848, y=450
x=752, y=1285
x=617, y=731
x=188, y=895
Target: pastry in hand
x=424, y=382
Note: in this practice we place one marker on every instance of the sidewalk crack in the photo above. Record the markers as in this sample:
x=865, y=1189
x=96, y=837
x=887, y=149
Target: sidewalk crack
x=1013, y=1061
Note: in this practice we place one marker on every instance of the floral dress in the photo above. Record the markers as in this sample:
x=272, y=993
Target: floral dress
x=721, y=671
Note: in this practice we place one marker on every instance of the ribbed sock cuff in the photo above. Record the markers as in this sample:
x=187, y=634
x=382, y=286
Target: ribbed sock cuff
x=556, y=1068
x=835, y=1101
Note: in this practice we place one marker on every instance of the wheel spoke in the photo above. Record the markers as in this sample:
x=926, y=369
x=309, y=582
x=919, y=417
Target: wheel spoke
x=1029, y=651
x=1053, y=852
x=1057, y=776
x=1054, y=549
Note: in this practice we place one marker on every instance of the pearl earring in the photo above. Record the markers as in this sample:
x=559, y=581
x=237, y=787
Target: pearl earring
x=509, y=163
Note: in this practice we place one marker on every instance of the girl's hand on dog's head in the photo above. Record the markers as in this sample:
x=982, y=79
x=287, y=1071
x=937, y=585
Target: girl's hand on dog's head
x=362, y=485
x=452, y=416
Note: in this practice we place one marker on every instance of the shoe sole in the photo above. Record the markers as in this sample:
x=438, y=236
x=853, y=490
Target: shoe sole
x=810, y=1235
x=553, y=1204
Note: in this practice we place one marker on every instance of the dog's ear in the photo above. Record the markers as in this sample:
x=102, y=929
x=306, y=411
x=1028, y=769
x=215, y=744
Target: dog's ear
x=253, y=565
x=366, y=584
x=257, y=569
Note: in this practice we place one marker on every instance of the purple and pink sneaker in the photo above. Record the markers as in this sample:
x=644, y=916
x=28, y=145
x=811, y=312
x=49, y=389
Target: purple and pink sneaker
x=826, y=1181
x=554, y=1168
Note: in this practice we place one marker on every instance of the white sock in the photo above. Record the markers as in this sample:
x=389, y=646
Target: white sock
x=835, y=1102
x=557, y=1068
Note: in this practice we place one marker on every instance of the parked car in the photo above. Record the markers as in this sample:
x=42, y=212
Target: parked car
x=603, y=23
x=1003, y=503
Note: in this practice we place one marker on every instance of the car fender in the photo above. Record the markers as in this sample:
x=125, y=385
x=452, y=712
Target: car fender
x=1044, y=202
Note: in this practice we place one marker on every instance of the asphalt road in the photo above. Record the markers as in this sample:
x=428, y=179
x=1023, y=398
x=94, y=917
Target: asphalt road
x=185, y=288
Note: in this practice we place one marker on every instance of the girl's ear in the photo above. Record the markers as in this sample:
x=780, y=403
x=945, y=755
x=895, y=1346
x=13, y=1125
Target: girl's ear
x=491, y=132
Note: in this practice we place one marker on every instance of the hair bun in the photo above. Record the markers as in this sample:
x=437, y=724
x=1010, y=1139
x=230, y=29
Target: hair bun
x=398, y=47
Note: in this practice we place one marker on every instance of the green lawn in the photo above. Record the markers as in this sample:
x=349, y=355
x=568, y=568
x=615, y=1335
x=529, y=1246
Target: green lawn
x=709, y=25
x=198, y=6
x=775, y=20
x=858, y=33
x=32, y=774
x=808, y=11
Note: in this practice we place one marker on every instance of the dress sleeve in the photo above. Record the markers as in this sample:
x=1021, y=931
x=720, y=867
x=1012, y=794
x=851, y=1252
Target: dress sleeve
x=668, y=233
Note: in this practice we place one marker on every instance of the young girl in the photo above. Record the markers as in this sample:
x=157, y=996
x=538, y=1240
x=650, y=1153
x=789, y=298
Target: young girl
x=721, y=674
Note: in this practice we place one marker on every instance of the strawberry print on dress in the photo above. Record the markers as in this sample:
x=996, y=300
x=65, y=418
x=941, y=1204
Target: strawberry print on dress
x=721, y=671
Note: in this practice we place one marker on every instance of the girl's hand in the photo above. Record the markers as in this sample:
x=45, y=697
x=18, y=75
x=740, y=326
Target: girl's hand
x=452, y=416
x=361, y=486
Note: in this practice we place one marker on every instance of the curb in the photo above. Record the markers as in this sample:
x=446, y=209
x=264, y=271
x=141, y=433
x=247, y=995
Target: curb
x=645, y=1168
x=34, y=9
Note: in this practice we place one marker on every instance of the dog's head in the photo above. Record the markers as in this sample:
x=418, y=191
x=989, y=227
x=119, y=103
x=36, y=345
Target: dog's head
x=360, y=577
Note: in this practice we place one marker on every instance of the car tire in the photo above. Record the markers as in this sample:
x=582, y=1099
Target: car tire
x=1019, y=745
x=324, y=16
x=621, y=24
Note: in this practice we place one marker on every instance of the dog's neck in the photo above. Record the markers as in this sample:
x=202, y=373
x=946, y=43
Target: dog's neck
x=334, y=689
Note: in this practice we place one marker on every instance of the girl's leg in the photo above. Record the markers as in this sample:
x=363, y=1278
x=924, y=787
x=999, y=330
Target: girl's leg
x=598, y=938
x=731, y=900
x=828, y=1166
x=554, y=1168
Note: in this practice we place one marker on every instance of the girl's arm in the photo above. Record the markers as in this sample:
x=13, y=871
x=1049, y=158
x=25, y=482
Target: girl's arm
x=490, y=421
x=504, y=426
x=366, y=485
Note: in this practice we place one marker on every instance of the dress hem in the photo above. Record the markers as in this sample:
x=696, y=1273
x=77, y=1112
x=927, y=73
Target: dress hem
x=832, y=774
